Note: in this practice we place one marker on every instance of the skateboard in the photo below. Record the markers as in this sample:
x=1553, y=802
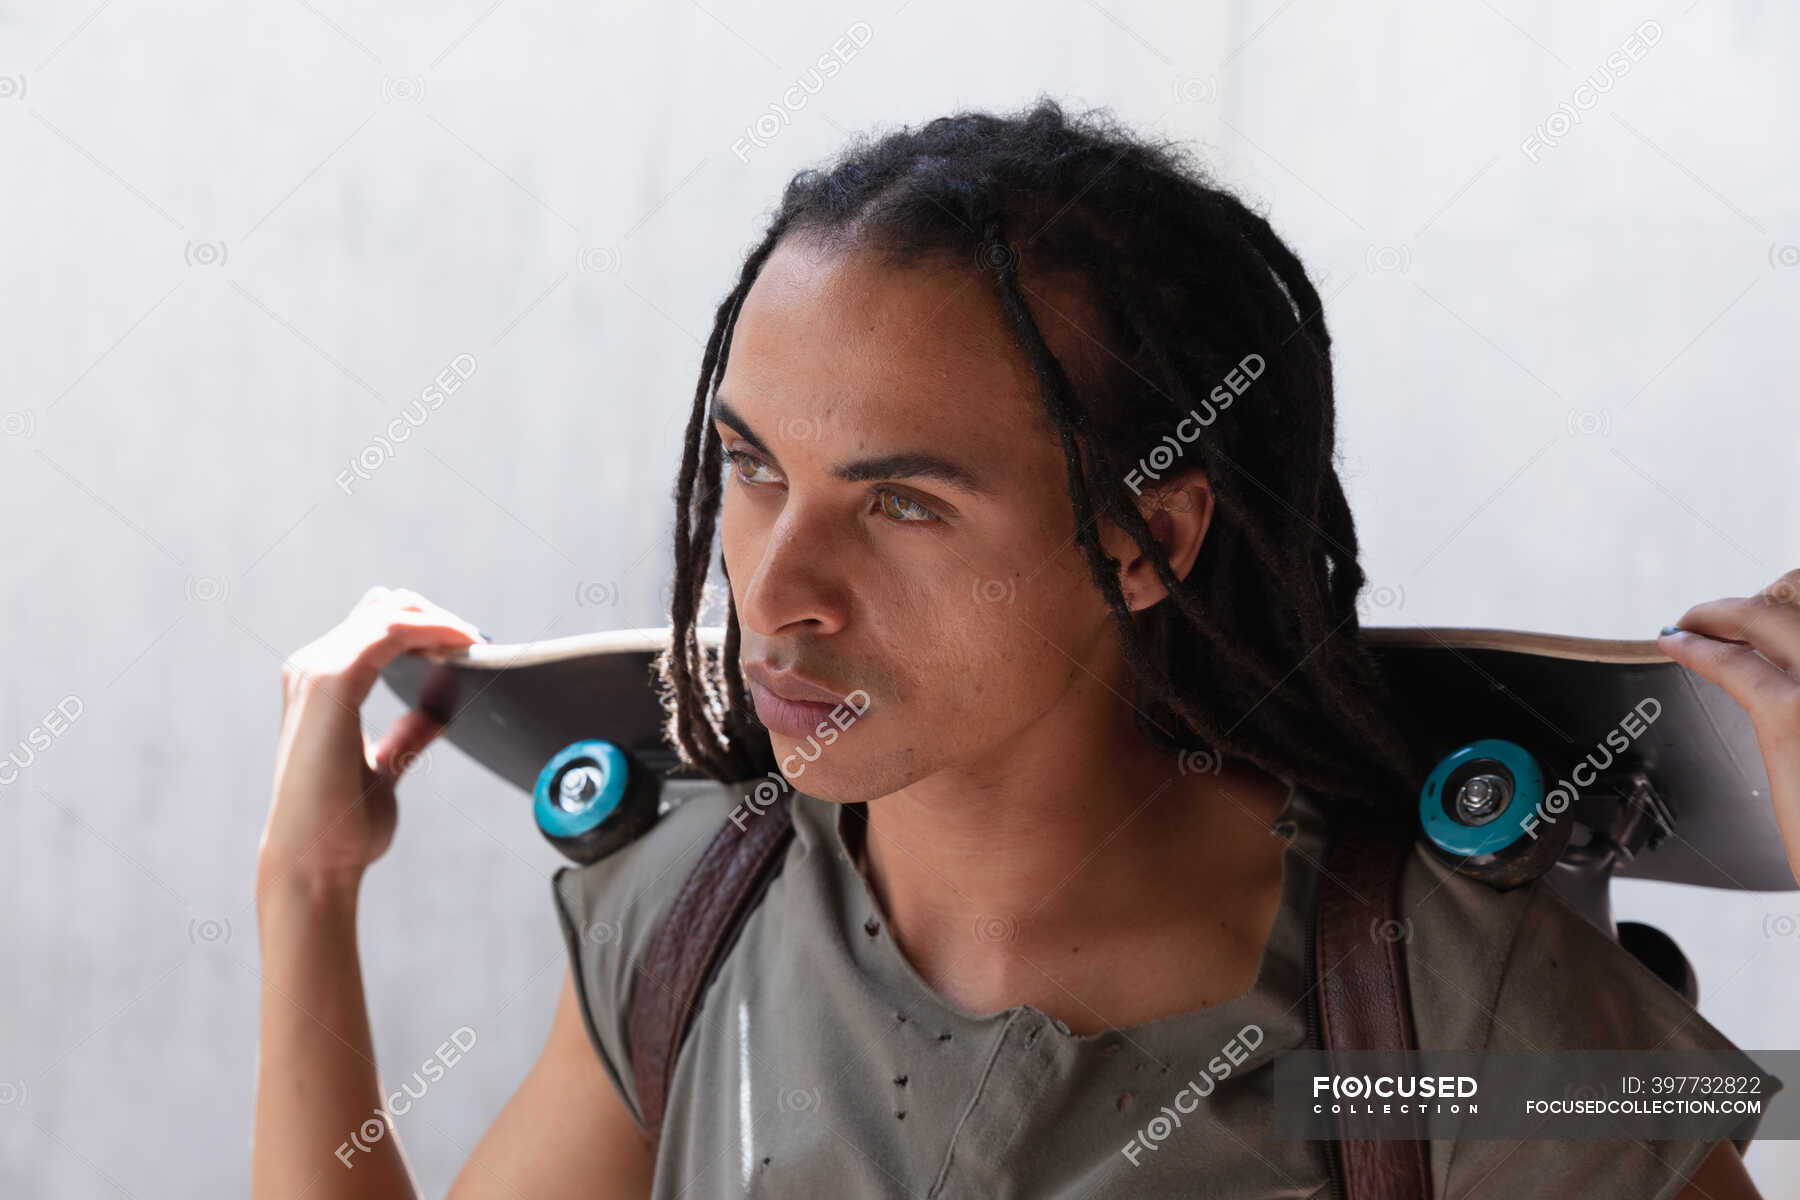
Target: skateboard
x=1658, y=766
x=1579, y=758
x=574, y=722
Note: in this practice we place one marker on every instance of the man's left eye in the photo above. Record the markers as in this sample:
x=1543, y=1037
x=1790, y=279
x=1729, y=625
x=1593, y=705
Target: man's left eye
x=899, y=507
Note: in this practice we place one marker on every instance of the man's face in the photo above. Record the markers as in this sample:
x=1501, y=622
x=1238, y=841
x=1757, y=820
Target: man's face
x=961, y=609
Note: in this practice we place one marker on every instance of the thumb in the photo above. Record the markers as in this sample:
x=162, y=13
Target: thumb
x=400, y=747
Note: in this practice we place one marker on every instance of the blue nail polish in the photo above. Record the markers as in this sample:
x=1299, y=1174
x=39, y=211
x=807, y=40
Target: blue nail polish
x=1670, y=630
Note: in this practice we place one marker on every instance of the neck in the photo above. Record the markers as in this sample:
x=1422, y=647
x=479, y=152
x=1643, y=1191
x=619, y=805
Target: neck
x=996, y=882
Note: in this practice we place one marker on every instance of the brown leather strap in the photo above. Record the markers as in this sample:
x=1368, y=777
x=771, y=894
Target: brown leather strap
x=1364, y=1003
x=692, y=940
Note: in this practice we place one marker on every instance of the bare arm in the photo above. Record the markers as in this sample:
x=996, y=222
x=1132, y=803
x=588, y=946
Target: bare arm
x=321, y=1125
x=316, y=1086
x=321, y=1128
x=565, y=1132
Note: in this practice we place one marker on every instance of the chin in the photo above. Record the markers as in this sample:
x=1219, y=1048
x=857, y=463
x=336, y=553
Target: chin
x=816, y=780
x=864, y=777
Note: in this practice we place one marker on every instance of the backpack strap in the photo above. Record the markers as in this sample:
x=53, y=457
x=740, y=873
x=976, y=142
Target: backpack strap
x=1359, y=969
x=692, y=940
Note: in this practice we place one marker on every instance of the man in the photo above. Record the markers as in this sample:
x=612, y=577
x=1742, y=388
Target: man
x=1034, y=882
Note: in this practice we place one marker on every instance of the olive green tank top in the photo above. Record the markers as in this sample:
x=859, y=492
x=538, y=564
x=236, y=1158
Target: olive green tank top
x=821, y=1063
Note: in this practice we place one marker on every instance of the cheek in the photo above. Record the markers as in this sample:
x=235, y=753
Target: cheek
x=980, y=658
x=734, y=529
x=973, y=684
x=1006, y=621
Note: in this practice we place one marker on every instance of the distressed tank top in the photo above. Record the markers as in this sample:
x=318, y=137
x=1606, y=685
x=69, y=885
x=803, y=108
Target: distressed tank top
x=822, y=1064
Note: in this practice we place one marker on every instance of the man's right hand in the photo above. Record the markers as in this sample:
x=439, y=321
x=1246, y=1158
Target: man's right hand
x=333, y=814
x=333, y=811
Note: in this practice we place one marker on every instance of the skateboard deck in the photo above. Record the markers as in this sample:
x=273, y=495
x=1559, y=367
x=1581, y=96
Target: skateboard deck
x=1683, y=796
x=512, y=707
x=1574, y=698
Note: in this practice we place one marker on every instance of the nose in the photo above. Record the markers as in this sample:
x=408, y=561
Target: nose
x=798, y=581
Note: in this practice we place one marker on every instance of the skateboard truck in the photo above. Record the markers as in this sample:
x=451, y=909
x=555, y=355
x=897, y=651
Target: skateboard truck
x=1623, y=816
x=1638, y=819
x=1487, y=811
x=593, y=797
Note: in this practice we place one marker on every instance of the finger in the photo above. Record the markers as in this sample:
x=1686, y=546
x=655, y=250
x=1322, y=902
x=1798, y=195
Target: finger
x=353, y=654
x=1761, y=622
x=1759, y=686
x=408, y=601
x=1785, y=590
x=395, y=634
x=403, y=742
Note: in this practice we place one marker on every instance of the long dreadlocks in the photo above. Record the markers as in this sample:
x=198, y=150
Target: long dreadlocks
x=1257, y=653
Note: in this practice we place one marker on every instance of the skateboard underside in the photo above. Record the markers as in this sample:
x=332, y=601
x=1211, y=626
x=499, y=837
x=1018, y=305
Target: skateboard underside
x=1576, y=699
x=512, y=708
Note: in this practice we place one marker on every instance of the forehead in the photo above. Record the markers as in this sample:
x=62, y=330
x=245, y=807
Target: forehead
x=868, y=355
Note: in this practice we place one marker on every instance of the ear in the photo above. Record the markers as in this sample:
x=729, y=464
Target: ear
x=1179, y=511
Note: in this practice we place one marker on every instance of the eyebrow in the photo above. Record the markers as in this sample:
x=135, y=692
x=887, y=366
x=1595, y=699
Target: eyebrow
x=903, y=464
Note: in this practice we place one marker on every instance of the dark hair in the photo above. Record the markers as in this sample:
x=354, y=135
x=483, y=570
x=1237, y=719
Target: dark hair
x=1257, y=653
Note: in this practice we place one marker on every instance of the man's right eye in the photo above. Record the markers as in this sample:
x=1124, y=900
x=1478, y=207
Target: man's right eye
x=738, y=457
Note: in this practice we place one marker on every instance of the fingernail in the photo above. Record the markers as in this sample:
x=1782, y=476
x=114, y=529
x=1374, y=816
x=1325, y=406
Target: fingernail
x=1670, y=631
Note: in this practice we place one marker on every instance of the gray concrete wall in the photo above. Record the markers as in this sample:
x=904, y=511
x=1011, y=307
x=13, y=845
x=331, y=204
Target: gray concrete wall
x=239, y=238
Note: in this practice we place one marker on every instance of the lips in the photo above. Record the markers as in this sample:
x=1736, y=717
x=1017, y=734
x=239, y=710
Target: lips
x=788, y=704
x=789, y=686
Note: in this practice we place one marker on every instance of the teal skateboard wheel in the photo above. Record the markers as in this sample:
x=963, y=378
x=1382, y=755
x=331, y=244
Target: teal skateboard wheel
x=1482, y=810
x=591, y=798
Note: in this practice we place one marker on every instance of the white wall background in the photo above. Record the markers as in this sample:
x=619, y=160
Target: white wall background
x=239, y=237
